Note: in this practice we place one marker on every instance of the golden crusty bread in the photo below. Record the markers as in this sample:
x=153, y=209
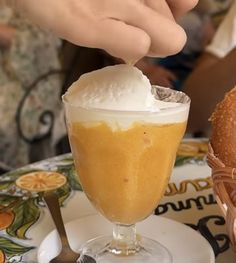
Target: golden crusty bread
x=223, y=139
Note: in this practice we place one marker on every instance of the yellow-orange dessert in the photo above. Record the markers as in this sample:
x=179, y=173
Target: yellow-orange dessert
x=124, y=172
x=124, y=135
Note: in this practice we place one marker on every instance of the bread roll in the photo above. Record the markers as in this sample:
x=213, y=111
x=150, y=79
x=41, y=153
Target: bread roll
x=223, y=139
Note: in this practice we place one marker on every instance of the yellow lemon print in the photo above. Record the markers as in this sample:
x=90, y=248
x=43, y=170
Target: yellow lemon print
x=41, y=181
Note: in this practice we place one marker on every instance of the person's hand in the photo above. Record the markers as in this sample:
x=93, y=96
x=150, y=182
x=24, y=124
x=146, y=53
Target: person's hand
x=161, y=76
x=157, y=75
x=129, y=29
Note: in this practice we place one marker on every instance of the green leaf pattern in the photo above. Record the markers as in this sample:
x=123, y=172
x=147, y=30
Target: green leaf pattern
x=26, y=214
x=10, y=248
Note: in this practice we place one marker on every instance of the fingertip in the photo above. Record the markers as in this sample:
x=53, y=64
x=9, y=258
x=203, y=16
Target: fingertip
x=179, y=39
x=189, y=5
x=141, y=46
x=192, y=4
x=132, y=47
x=174, y=43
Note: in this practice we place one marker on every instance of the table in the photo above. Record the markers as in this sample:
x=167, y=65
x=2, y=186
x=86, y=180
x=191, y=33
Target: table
x=188, y=199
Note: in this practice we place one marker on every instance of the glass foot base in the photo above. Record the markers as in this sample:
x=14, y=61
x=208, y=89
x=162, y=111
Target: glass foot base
x=148, y=251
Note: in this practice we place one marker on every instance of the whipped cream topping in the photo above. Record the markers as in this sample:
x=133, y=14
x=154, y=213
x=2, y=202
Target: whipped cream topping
x=120, y=87
x=120, y=96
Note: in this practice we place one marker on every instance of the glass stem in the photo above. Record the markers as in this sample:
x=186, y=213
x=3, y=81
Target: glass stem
x=124, y=240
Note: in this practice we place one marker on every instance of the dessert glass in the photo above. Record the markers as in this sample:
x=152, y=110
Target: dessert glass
x=124, y=160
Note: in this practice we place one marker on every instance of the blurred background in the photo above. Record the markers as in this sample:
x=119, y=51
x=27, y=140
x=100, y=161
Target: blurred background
x=36, y=69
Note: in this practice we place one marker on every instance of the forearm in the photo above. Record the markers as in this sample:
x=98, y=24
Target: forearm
x=206, y=86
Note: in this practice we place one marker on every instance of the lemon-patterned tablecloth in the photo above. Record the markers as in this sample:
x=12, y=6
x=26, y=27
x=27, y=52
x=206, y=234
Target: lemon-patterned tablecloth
x=24, y=219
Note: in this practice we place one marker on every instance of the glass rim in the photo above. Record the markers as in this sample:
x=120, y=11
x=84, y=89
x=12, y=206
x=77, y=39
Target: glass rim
x=180, y=105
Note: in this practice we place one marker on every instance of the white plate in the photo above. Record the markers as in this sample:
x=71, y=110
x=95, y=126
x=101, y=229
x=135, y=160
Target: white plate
x=185, y=244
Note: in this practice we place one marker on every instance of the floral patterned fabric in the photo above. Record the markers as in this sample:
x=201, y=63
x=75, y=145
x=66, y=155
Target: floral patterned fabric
x=31, y=54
